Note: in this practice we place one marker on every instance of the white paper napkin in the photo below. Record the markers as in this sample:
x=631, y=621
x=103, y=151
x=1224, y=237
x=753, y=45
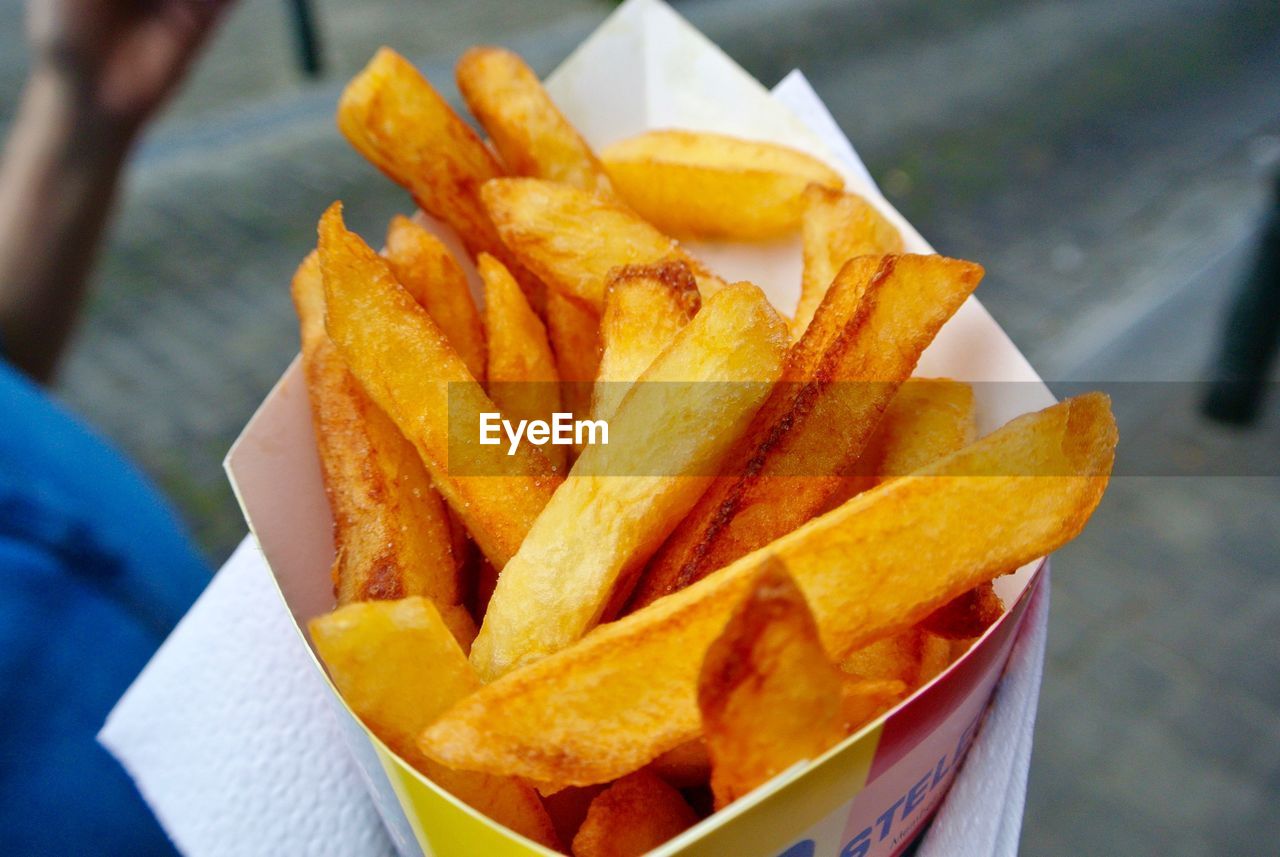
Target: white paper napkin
x=229, y=734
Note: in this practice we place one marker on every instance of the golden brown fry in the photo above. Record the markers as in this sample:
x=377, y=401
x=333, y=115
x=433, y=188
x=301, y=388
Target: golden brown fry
x=926, y=419
x=390, y=527
x=967, y=616
x=911, y=657
x=398, y=666
x=877, y=565
x=837, y=226
x=839, y=378
x=632, y=817
x=397, y=120
x=526, y=127
x=460, y=623
x=568, y=808
x=523, y=380
x=647, y=306
x=699, y=185
x=402, y=360
x=863, y=700
x=486, y=581
x=426, y=269
x=621, y=499
x=574, y=330
x=686, y=766
x=572, y=239
x=769, y=696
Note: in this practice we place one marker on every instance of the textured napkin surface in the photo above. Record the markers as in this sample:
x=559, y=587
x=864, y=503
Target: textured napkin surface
x=230, y=735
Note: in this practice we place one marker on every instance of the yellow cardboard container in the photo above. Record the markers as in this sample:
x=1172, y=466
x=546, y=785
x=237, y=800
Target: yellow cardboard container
x=647, y=68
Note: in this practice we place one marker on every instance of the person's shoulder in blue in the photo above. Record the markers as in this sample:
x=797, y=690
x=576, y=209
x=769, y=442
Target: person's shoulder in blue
x=96, y=570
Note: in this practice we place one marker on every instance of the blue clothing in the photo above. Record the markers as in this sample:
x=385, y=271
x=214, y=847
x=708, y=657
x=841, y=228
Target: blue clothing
x=95, y=570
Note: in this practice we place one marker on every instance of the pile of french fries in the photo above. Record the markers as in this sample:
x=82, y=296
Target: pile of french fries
x=785, y=535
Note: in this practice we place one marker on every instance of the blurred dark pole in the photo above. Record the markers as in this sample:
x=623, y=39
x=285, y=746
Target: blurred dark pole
x=1252, y=332
x=307, y=37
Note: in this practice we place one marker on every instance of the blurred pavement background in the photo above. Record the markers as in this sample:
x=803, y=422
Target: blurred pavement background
x=1106, y=160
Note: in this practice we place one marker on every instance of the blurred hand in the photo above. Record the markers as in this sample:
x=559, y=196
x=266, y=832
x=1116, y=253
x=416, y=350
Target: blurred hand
x=118, y=59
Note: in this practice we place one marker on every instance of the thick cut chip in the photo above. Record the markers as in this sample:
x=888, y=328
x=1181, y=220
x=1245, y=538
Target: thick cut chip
x=622, y=498
x=523, y=380
x=873, y=567
x=967, y=616
x=700, y=185
x=632, y=817
x=398, y=666
x=404, y=362
x=401, y=124
x=647, y=306
x=927, y=419
x=838, y=380
x=912, y=657
x=390, y=526
x=568, y=808
x=837, y=227
x=863, y=700
x=526, y=127
x=572, y=239
x=574, y=329
x=428, y=271
x=769, y=696
x=686, y=766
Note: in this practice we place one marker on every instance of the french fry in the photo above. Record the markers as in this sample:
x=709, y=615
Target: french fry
x=389, y=524
x=399, y=667
x=911, y=656
x=572, y=239
x=460, y=623
x=396, y=119
x=537, y=141
x=427, y=270
x=700, y=185
x=568, y=808
x=685, y=766
x=839, y=378
x=647, y=305
x=404, y=363
x=768, y=695
x=873, y=567
x=574, y=330
x=632, y=817
x=967, y=616
x=863, y=700
x=526, y=127
x=926, y=419
x=836, y=227
x=622, y=498
x=523, y=380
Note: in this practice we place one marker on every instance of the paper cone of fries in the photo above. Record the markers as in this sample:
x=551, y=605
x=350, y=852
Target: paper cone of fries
x=646, y=69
